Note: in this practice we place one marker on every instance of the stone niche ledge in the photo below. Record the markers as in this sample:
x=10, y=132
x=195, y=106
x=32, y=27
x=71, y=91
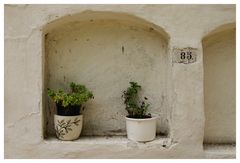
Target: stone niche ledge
x=160, y=142
x=115, y=147
x=108, y=147
x=219, y=151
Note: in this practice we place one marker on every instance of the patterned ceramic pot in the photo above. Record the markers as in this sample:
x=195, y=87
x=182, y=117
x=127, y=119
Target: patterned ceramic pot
x=68, y=127
x=141, y=130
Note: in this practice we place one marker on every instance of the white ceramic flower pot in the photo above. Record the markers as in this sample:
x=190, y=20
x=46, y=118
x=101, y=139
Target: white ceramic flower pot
x=68, y=127
x=141, y=130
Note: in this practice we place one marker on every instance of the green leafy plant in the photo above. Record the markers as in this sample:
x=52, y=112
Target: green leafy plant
x=78, y=94
x=136, y=108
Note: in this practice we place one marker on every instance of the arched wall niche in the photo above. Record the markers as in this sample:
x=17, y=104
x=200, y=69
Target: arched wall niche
x=219, y=57
x=91, y=16
x=219, y=29
x=105, y=51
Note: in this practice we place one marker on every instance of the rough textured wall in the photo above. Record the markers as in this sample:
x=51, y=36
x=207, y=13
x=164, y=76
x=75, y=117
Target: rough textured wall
x=24, y=74
x=105, y=55
x=219, y=87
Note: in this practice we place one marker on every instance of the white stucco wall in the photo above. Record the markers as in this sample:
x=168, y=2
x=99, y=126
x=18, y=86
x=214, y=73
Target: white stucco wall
x=25, y=70
x=105, y=55
x=219, y=86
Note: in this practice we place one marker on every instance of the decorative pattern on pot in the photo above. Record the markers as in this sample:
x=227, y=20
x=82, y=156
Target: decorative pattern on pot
x=69, y=104
x=68, y=127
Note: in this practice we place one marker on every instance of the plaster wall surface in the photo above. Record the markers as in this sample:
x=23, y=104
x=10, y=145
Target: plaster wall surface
x=105, y=55
x=219, y=87
x=25, y=70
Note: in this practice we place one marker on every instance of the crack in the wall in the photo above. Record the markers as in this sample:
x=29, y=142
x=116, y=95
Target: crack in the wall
x=17, y=5
x=37, y=110
x=22, y=37
x=167, y=144
x=11, y=125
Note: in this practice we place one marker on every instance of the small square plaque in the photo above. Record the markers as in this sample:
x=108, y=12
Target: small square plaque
x=185, y=55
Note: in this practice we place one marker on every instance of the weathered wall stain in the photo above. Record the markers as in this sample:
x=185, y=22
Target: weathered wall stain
x=27, y=69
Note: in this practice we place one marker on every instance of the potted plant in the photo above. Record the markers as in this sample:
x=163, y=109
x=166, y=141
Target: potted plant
x=68, y=120
x=140, y=124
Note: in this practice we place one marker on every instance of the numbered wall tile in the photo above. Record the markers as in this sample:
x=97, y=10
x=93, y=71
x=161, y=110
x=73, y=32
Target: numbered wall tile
x=184, y=55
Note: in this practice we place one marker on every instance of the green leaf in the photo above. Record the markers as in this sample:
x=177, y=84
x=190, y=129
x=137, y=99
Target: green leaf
x=135, y=107
x=77, y=95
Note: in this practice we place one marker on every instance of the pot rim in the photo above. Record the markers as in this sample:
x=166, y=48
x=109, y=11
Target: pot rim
x=68, y=116
x=140, y=119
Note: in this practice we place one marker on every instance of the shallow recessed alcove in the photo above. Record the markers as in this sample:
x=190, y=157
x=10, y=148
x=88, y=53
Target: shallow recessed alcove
x=219, y=51
x=104, y=51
